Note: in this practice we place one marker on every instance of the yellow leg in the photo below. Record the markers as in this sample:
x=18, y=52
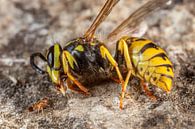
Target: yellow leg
x=106, y=55
x=115, y=80
x=72, y=78
x=123, y=48
x=77, y=83
x=60, y=87
x=72, y=87
x=124, y=89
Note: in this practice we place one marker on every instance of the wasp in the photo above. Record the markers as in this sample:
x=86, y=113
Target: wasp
x=39, y=106
x=87, y=58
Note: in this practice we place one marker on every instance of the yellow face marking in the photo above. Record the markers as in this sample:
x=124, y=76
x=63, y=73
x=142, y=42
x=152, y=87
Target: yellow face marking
x=54, y=75
x=57, y=53
x=79, y=48
x=71, y=59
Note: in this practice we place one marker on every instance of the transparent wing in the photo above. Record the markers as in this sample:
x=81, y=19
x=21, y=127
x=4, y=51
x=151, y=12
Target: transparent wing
x=105, y=11
x=129, y=25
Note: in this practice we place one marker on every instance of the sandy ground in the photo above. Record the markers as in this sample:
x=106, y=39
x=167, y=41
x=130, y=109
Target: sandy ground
x=30, y=26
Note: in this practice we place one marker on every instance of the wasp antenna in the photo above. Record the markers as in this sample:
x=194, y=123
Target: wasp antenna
x=53, y=39
x=34, y=66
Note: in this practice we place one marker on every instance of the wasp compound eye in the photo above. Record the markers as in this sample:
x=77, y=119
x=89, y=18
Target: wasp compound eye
x=50, y=57
x=34, y=66
x=53, y=57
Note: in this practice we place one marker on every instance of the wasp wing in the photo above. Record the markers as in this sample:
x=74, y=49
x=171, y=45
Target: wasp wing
x=130, y=24
x=105, y=11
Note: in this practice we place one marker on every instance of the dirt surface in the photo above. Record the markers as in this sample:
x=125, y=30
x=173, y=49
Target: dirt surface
x=28, y=26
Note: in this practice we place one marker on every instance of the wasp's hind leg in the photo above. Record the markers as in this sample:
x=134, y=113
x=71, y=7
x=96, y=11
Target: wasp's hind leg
x=122, y=49
x=147, y=91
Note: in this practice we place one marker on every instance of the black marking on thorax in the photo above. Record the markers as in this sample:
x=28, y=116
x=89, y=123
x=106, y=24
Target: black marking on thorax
x=89, y=60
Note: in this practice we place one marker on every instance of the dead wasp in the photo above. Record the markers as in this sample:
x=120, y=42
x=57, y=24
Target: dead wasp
x=86, y=57
x=39, y=106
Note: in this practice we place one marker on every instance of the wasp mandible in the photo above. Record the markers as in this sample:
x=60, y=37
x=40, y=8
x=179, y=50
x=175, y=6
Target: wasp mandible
x=87, y=57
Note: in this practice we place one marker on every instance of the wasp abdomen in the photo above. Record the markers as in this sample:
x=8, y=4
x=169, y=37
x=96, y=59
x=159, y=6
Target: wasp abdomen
x=150, y=62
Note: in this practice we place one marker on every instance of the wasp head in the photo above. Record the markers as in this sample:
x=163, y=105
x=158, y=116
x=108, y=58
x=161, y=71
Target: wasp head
x=54, y=66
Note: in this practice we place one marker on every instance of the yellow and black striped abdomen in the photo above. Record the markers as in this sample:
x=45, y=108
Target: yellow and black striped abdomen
x=150, y=63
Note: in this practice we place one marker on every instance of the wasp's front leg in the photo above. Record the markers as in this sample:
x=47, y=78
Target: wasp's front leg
x=65, y=57
x=71, y=86
x=61, y=88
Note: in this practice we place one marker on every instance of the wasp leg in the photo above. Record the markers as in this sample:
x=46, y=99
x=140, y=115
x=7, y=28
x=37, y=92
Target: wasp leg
x=122, y=49
x=72, y=87
x=72, y=78
x=124, y=71
x=85, y=90
x=115, y=80
x=147, y=91
x=124, y=89
x=61, y=88
x=106, y=55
